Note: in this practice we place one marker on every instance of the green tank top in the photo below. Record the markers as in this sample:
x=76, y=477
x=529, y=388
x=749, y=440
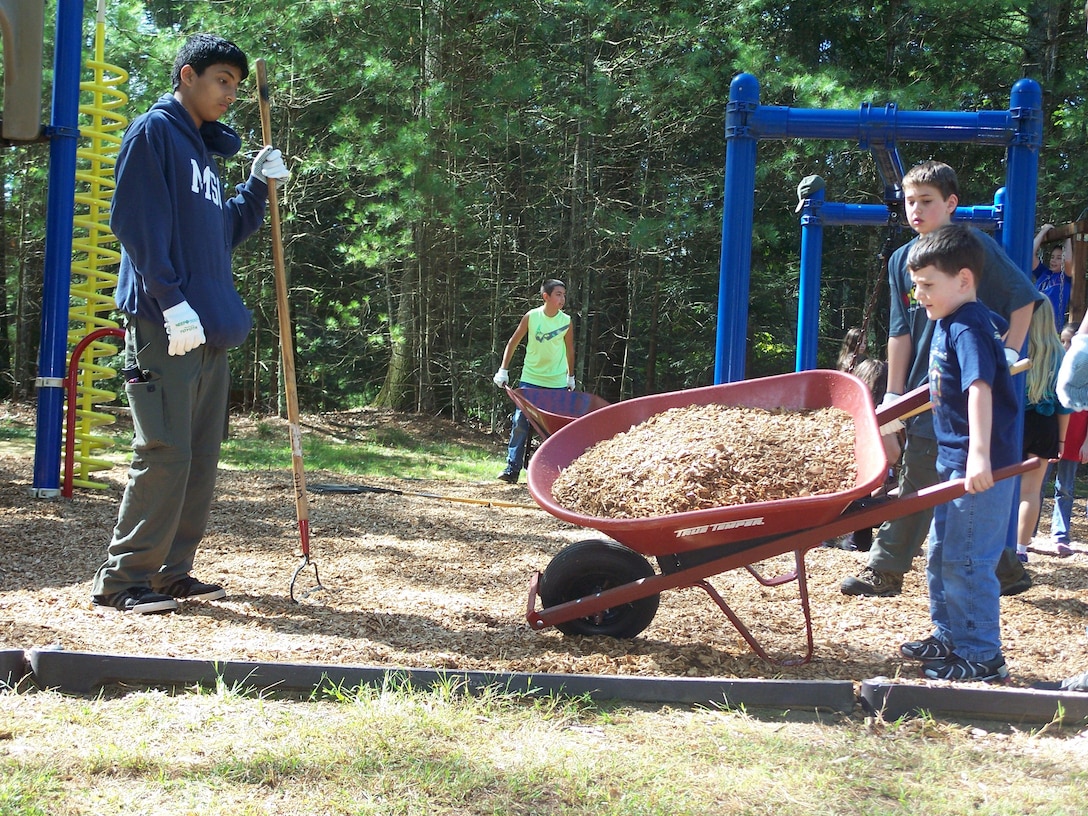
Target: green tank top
x=546, y=350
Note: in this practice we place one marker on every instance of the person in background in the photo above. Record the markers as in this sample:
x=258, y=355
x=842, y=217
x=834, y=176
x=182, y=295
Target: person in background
x=1045, y=420
x=851, y=352
x=1073, y=393
x=549, y=363
x=1054, y=278
x=182, y=312
x=874, y=373
x=931, y=194
x=974, y=401
x=1073, y=451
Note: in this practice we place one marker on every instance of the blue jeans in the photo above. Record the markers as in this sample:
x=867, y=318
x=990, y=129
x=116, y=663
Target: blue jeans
x=519, y=434
x=965, y=543
x=519, y=438
x=1065, y=477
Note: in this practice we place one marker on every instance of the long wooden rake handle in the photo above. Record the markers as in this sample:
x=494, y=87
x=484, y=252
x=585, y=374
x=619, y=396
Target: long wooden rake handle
x=287, y=350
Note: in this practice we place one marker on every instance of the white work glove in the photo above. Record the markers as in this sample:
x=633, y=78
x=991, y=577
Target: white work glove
x=570, y=383
x=1011, y=356
x=269, y=165
x=1073, y=375
x=889, y=398
x=501, y=378
x=892, y=426
x=183, y=329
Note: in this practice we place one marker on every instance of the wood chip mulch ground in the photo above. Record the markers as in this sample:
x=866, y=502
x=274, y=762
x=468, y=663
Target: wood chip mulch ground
x=423, y=582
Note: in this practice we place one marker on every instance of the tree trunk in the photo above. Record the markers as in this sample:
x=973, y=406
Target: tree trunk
x=395, y=392
x=5, y=342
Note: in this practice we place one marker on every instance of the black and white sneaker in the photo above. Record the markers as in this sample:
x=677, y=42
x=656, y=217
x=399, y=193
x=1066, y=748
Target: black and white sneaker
x=932, y=648
x=190, y=589
x=955, y=667
x=141, y=600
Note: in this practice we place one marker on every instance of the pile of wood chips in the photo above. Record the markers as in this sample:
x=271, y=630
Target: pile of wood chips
x=704, y=456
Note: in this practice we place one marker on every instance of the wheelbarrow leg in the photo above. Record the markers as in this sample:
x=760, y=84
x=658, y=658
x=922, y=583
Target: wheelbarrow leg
x=800, y=575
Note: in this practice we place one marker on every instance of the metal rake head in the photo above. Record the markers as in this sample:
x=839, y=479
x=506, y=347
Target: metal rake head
x=306, y=562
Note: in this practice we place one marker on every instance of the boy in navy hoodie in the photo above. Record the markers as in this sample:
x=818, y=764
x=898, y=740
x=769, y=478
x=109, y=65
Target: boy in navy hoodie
x=177, y=229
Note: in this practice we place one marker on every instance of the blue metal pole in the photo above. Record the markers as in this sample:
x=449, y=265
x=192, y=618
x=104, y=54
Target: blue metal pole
x=737, y=214
x=835, y=214
x=1018, y=223
x=893, y=125
x=999, y=217
x=60, y=206
x=1022, y=176
x=808, y=307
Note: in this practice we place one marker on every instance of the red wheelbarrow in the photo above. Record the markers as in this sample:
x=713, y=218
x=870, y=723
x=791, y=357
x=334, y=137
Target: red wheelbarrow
x=549, y=409
x=608, y=587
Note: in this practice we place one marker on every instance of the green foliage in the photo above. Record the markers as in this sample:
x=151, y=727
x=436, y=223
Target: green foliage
x=446, y=157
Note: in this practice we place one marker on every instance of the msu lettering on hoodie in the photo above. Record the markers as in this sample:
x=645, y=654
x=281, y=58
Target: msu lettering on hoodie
x=176, y=227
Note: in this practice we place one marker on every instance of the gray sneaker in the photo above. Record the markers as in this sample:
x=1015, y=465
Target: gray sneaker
x=1078, y=682
x=960, y=669
x=873, y=582
x=932, y=648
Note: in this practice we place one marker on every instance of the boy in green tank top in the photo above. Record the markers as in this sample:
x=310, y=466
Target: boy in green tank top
x=549, y=363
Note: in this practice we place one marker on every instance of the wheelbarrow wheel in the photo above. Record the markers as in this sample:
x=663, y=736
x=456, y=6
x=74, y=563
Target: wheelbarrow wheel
x=592, y=566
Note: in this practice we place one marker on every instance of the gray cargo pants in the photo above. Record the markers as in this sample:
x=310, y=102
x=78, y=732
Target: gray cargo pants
x=179, y=414
x=899, y=540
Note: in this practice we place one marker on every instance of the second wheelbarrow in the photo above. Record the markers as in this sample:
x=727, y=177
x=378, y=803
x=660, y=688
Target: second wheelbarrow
x=608, y=587
x=550, y=409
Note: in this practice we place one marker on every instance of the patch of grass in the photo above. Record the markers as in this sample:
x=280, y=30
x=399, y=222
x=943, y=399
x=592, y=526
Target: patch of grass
x=27, y=792
x=394, y=750
x=384, y=452
x=10, y=432
x=264, y=444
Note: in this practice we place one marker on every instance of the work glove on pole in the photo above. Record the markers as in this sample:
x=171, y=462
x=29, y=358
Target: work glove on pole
x=501, y=378
x=269, y=165
x=183, y=329
x=1073, y=375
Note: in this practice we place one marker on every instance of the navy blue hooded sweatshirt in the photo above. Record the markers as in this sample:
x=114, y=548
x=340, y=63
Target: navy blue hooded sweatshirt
x=175, y=225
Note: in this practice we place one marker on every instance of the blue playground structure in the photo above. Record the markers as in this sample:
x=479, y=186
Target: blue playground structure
x=1012, y=216
x=63, y=135
x=1019, y=130
x=22, y=26
x=23, y=21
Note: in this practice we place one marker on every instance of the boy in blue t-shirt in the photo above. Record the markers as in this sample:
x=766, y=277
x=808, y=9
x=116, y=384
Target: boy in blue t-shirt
x=972, y=396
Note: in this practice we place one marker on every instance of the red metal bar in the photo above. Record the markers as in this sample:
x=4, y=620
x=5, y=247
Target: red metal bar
x=70, y=386
x=799, y=574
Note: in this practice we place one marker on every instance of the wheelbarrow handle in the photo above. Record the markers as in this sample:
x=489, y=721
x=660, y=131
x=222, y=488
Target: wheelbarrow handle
x=918, y=402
